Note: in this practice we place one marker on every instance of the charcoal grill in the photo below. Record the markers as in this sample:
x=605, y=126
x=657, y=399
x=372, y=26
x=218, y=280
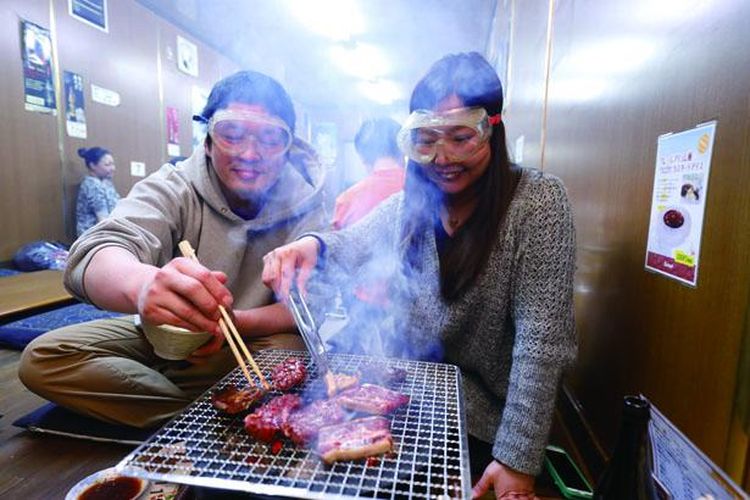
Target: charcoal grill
x=203, y=447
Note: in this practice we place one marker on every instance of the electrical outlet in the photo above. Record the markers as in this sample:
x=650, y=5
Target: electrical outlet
x=137, y=169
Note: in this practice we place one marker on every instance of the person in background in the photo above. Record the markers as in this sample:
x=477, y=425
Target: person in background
x=375, y=143
x=252, y=187
x=97, y=195
x=486, y=258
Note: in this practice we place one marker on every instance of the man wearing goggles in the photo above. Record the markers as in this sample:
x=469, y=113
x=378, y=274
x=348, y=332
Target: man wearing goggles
x=250, y=188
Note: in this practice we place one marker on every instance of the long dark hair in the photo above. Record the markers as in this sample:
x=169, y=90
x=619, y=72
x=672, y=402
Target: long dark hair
x=471, y=78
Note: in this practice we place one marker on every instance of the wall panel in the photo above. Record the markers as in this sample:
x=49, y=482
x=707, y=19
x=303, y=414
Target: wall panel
x=622, y=73
x=30, y=182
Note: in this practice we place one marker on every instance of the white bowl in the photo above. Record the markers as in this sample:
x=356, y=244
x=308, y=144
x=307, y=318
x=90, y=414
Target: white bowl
x=172, y=342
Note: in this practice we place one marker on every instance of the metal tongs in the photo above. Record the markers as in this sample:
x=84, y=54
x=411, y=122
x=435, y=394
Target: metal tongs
x=310, y=334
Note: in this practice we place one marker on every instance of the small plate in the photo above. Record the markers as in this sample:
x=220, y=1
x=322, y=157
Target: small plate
x=101, y=477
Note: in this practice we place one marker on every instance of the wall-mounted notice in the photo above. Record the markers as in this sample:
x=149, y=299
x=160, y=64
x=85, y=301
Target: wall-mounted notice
x=36, y=54
x=91, y=12
x=104, y=96
x=683, y=163
x=187, y=56
x=75, y=116
x=173, y=132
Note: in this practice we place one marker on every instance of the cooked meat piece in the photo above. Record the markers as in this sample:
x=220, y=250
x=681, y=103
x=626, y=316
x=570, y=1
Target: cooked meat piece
x=381, y=374
x=343, y=381
x=372, y=399
x=327, y=387
x=232, y=400
x=303, y=425
x=267, y=420
x=289, y=373
x=359, y=438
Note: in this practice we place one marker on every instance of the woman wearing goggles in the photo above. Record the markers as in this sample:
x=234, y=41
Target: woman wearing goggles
x=486, y=255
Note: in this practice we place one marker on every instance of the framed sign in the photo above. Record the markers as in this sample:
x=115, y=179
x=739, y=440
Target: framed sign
x=91, y=12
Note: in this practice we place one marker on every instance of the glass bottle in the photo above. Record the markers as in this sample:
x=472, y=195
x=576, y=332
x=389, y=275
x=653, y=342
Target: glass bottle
x=627, y=476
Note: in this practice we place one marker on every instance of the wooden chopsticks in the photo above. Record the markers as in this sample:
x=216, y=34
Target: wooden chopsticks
x=230, y=331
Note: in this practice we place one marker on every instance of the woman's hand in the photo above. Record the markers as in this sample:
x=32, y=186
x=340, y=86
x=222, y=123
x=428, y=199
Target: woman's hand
x=298, y=259
x=184, y=293
x=507, y=483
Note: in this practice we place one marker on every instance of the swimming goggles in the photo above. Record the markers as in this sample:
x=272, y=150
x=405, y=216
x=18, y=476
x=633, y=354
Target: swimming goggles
x=459, y=132
x=234, y=131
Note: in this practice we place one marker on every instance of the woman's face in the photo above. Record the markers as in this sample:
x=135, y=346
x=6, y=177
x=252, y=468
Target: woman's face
x=105, y=168
x=456, y=177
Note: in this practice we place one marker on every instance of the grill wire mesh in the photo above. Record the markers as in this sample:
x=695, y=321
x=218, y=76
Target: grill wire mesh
x=204, y=447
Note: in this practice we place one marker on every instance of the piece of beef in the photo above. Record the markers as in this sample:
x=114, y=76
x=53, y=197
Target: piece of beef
x=268, y=419
x=381, y=374
x=359, y=438
x=372, y=399
x=289, y=373
x=303, y=425
x=232, y=400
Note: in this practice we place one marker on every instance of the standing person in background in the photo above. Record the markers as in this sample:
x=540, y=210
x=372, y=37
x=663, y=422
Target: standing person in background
x=97, y=195
x=252, y=187
x=376, y=145
x=486, y=255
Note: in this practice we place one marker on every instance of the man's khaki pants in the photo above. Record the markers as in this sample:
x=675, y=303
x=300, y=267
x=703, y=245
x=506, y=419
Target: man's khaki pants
x=108, y=370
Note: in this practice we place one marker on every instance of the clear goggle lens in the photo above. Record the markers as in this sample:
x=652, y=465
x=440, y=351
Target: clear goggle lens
x=459, y=133
x=234, y=132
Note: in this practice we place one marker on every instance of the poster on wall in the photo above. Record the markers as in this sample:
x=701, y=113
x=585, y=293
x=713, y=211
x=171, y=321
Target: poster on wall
x=36, y=53
x=187, y=56
x=173, y=132
x=198, y=99
x=325, y=140
x=683, y=164
x=75, y=115
x=91, y=12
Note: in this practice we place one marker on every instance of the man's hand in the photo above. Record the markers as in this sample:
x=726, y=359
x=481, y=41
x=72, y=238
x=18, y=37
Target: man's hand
x=507, y=483
x=214, y=345
x=184, y=293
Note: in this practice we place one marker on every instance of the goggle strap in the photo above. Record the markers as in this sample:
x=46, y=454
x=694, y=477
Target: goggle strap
x=495, y=119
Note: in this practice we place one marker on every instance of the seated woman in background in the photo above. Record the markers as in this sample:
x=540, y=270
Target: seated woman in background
x=97, y=195
x=485, y=256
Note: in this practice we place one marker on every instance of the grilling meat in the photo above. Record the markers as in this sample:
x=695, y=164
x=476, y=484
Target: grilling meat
x=381, y=374
x=232, y=400
x=289, y=373
x=267, y=420
x=303, y=425
x=359, y=438
x=372, y=399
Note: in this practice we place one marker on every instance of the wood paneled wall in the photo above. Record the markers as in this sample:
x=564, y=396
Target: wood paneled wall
x=621, y=73
x=41, y=170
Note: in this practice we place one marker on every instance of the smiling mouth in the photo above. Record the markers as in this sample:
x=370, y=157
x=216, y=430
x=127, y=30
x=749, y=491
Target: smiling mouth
x=449, y=173
x=247, y=174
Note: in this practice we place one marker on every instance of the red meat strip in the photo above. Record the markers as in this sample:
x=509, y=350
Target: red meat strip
x=359, y=438
x=232, y=400
x=372, y=399
x=289, y=373
x=267, y=420
x=302, y=426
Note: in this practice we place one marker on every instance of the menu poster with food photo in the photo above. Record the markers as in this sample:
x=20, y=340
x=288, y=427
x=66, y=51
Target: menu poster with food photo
x=683, y=163
x=75, y=114
x=36, y=53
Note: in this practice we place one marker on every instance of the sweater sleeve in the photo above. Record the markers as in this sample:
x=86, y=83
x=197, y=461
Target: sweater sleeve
x=147, y=223
x=545, y=342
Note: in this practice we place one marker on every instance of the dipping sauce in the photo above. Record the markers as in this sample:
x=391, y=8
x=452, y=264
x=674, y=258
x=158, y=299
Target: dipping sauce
x=116, y=488
x=674, y=219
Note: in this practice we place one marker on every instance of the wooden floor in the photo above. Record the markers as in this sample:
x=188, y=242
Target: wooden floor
x=38, y=466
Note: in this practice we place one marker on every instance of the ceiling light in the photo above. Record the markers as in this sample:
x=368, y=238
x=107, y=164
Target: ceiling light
x=363, y=60
x=334, y=19
x=380, y=91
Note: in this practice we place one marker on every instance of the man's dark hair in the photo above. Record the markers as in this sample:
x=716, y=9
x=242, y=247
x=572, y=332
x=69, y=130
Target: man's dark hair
x=251, y=87
x=376, y=138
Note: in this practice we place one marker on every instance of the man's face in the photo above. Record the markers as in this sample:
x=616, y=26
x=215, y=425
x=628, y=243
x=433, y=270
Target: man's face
x=248, y=171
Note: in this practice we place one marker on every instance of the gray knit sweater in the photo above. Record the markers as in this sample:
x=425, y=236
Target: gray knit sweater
x=511, y=333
